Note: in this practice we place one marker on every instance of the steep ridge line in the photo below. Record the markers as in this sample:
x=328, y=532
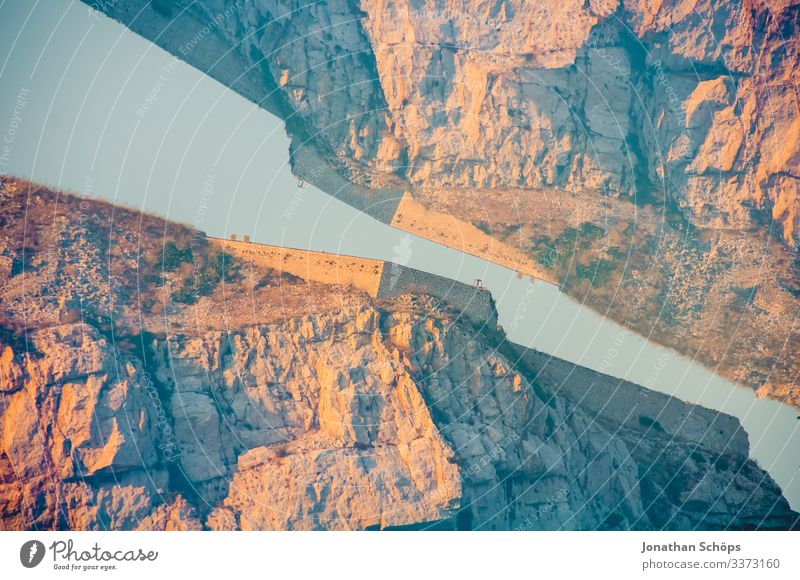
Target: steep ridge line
x=606, y=397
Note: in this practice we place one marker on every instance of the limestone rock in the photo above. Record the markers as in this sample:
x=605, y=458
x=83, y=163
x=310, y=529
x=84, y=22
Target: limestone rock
x=508, y=115
x=567, y=94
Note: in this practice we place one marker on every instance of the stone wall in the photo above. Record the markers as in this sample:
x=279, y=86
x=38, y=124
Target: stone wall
x=377, y=278
x=635, y=407
x=613, y=400
x=309, y=165
x=446, y=229
x=361, y=273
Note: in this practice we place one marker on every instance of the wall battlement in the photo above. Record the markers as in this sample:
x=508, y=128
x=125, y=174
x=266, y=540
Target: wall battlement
x=361, y=273
x=377, y=278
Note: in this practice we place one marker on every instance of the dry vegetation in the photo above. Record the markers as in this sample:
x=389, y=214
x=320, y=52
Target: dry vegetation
x=65, y=258
x=727, y=298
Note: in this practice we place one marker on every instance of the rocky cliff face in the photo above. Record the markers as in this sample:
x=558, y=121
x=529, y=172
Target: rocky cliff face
x=670, y=127
x=698, y=98
x=348, y=413
x=80, y=439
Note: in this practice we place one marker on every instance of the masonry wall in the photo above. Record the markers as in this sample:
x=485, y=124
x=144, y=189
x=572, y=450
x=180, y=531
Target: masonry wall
x=615, y=400
x=475, y=303
x=361, y=273
x=377, y=278
x=413, y=217
x=380, y=203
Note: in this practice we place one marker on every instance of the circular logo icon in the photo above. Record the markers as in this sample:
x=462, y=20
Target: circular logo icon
x=31, y=553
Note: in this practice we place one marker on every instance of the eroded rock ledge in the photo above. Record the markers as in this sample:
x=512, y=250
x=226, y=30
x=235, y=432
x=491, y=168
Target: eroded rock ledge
x=387, y=415
x=258, y=400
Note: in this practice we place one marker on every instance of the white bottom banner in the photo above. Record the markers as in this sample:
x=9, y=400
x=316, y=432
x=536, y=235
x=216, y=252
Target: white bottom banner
x=355, y=555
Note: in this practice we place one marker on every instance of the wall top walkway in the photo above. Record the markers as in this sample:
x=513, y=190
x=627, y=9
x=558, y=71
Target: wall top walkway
x=377, y=278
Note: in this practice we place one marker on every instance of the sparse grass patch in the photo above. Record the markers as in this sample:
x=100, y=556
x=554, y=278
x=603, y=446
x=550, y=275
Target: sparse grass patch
x=597, y=273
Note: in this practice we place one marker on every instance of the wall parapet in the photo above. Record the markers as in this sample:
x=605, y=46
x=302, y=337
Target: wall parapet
x=361, y=273
x=378, y=278
x=474, y=302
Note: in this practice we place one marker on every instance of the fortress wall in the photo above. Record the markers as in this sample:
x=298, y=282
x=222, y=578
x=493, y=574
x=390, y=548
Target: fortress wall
x=361, y=273
x=414, y=217
x=475, y=303
x=609, y=398
x=377, y=278
x=637, y=407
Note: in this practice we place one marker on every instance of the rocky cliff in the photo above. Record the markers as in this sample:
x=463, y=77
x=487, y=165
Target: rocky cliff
x=580, y=138
x=698, y=98
x=218, y=408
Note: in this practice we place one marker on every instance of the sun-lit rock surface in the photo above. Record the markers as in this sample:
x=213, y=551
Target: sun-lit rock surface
x=528, y=122
x=561, y=94
x=347, y=413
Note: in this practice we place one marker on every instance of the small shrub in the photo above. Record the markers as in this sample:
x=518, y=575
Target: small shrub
x=597, y=273
x=174, y=257
x=291, y=278
x=185, y=294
